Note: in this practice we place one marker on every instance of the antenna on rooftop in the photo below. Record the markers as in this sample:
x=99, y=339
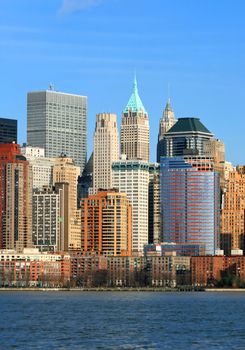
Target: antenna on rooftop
x=51, y=87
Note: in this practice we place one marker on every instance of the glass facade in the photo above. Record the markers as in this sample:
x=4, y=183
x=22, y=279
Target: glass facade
x=190, y=203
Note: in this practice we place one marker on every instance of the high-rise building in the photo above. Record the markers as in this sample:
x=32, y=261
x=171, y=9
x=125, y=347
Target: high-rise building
x=8, y=130
x=135, y=130
x=106, y=223
x=42, y=167
x=65, y=171
x=57, y=122
x=85, y=181
x=232, y=232
x=50, y=217
x=167, y=121
x=106, y=150
x=15, y=199
x=185, y=138
x=190, y=204
x=154, y=221
x=132, y=177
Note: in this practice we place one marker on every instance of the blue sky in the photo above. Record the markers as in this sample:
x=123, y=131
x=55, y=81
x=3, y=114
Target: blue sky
x=93, y=47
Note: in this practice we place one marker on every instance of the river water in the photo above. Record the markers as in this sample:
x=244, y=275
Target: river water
x=122, y=320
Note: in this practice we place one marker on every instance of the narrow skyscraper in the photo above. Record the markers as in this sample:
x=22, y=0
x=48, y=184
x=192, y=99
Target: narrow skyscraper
x=135, y=130
x=106, y=150
x=167, y=121
x=57, y=122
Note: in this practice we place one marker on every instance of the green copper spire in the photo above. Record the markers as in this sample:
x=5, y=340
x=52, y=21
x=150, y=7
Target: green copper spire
x=134, y=104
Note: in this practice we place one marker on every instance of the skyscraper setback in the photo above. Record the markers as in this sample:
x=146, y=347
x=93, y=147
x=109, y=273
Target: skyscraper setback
x=57, y=122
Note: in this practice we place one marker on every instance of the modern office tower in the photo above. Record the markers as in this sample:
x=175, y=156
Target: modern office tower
x=167, y=121
x=154, y=220
x=42, y=167
x=57, y=122
x=85, y=181
x=135, y=130
x=65, y=171
x=8, y=130
x=15, y=199
x=105, y=150
x=190, y=204
x=132, y=177
x=106, y=223
x=50, y=218
x=185, y=138
x=232, y=230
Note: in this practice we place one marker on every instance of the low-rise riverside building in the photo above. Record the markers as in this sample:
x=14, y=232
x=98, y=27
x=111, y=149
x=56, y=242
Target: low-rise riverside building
x=34, y=269
x=221, y=271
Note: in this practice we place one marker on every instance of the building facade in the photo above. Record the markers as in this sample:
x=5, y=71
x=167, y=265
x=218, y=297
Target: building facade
x=15, y=199
x=232, y=231
x=167, y=121
x=65, y=171
x=42, y=167
x=8, y=130
x=57, y=122
x=190, y=204
x=106, y=150
x=154, y=220
x=106, y=224
x=132, y=178
x=135, y=130
x=185, y=138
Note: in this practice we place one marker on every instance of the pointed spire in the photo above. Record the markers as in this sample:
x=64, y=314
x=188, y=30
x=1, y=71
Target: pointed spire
x=168, y=106
x=135, y=104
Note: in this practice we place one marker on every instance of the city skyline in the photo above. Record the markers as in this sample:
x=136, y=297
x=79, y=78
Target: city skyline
x=95, y=51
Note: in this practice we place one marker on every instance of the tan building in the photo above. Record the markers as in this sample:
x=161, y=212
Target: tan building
x=106, y=150
x=215, y=149
x=232, y=213
x=65, y=171
x=106, y=224
x=15, y=199
x=135, y=130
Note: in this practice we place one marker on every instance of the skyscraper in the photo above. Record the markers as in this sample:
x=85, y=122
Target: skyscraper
x=167, y=121
x=132, y=178
x=65, y=171
x=57, y=122
x=135, y=130
x=106, y=150
x=232, y=232
x=185, y=138
x=8, y=130
x=15, y=199
x=190, y=204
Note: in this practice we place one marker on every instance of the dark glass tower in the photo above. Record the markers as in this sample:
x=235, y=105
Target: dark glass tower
x=8, y=130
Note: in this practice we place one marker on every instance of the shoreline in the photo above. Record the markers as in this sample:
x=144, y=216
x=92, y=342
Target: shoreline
x=135, y=289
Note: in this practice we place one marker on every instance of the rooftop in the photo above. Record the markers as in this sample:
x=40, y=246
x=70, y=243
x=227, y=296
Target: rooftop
x=189, y=124
x=134, y=104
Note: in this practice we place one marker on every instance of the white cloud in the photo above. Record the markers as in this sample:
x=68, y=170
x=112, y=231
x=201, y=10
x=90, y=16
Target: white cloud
x=69, y=6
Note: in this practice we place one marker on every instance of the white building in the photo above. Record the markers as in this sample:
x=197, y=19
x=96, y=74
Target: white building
x=42, y=167
x=106, y=150
x=132, y=177
x=57, y=122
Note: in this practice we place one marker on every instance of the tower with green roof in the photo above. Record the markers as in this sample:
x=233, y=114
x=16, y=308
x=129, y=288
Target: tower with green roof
x=135, y=130
x=185, y=138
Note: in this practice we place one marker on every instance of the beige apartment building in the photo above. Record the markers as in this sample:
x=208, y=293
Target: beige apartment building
x=65, y=171
x=106, y=150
